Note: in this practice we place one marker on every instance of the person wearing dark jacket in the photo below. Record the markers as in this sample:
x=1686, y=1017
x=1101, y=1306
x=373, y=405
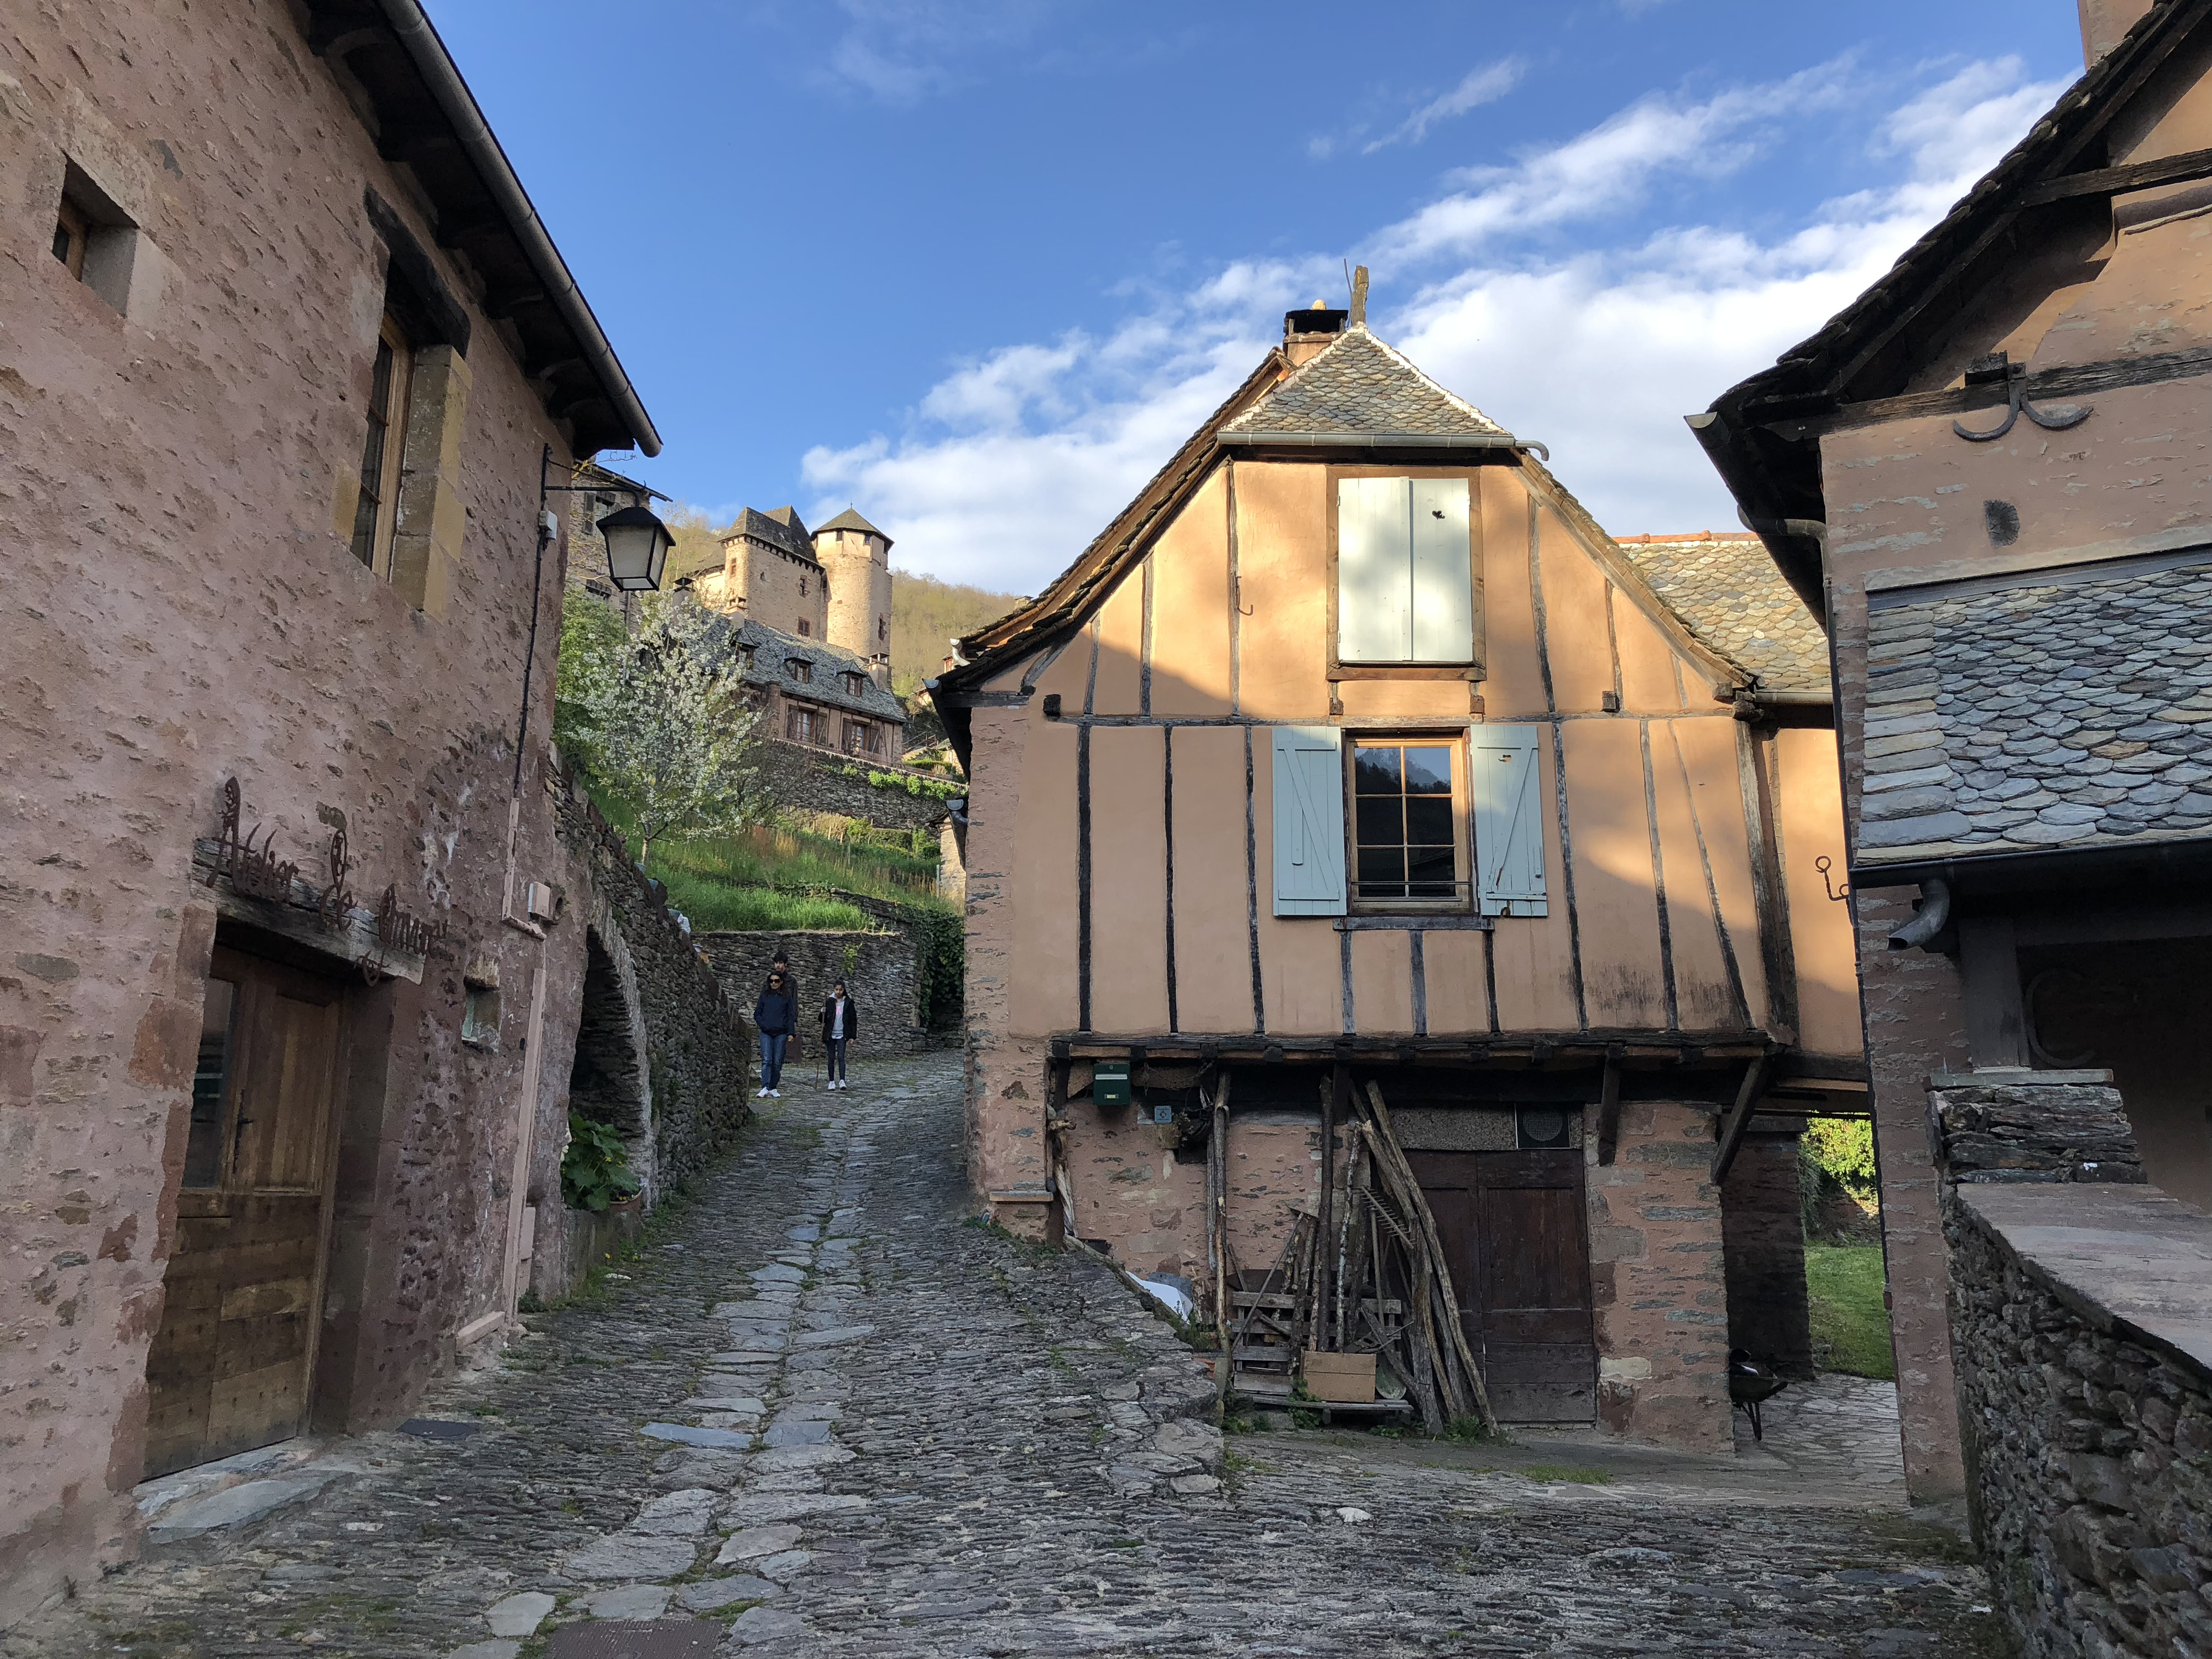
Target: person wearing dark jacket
x=776, y=1017
x=841, y=1024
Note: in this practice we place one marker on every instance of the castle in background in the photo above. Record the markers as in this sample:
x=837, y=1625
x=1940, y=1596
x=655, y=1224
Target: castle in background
x=830, y=585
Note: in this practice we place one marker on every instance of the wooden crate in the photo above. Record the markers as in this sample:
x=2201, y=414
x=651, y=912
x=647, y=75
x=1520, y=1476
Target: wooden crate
x=1348, y=1377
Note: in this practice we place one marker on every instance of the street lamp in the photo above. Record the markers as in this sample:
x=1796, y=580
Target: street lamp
x=637, y=548
x=637, y=542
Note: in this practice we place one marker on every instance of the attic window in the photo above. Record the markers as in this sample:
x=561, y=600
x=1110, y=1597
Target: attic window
x=801, y=669
x=855, y=684
x=1405, y=571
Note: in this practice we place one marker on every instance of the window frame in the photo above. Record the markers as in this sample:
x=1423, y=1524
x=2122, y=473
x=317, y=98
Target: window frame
x=1475, y=669
x=73, y=223
x=1455, y=738
x=384, y=524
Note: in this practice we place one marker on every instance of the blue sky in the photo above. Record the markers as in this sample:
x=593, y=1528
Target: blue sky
x=977, y=266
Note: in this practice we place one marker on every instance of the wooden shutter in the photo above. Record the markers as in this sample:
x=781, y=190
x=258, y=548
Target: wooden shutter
x=1506, y=785
x=1374, y=571
x=1443, y=572
x=1308, y=767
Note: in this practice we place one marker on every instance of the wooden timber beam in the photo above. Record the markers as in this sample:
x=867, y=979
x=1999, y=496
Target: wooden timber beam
x=1608, y=1106
x=2180, y=169
x=1738, y=1120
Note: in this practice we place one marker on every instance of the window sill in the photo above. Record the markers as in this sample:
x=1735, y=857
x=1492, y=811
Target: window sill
x=1407, y=671
x=1413, y=922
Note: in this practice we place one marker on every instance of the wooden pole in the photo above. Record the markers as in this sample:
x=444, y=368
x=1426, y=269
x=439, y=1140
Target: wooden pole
x=1217, y=1195
x=1739, y=1119
x=1325, y=1243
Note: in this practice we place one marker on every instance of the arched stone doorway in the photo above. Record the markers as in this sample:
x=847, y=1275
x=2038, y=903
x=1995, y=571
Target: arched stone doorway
x=609, y=1079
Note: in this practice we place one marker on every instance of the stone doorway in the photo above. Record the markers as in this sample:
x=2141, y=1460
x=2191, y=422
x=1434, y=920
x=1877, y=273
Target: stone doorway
x=229, y=1369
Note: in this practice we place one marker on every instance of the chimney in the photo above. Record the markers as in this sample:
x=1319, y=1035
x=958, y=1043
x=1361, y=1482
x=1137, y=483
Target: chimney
x=879, y=670
x=1307, y=333
x=2104, y=22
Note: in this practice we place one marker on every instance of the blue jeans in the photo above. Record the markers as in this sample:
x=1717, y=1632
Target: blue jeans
x=772, y=1058
x=836, y=1057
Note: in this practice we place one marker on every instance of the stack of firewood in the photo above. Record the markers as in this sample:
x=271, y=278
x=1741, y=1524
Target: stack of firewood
x=1392, y=1292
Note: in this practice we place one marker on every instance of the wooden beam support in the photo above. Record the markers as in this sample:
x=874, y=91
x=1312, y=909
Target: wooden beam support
x=1738, y=1119
x=1608, y=1106
x=2180, y=169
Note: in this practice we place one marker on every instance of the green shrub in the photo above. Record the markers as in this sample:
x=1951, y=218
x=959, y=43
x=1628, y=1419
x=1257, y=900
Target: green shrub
x=595, y=1170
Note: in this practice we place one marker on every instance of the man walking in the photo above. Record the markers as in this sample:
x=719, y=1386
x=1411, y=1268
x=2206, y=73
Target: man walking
x=776, y=1017
x=841, y=1024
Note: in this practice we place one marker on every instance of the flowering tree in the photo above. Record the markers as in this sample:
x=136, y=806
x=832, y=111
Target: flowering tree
x=661, y=720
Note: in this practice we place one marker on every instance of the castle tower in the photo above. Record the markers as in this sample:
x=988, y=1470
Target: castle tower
x=857, y=557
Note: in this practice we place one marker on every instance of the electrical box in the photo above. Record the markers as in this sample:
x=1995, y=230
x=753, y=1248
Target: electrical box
x=541, y=902
x=1163, y=1112
x=1109, y=1083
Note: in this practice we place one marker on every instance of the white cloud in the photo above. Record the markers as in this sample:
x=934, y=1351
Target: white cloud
x=903, y=51
x=1485, y=83
x=1014, y=462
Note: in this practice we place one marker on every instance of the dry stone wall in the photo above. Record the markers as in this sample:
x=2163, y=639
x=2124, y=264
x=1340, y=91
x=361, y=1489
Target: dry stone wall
x=880, y=973
x=814, y=780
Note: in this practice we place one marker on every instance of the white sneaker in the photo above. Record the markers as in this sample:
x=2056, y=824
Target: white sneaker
x=761, y=1096
x=775, y=1093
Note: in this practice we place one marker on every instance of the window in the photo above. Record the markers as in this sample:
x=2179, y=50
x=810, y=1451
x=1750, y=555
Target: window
x=802, y=726
x=882, y=629
x=1405, y=571
x=801, y=669
x=1408, y=821
x=805, y=628
x=72, y=233
x=97, y=243
x=377, y=515
x=802, y=595
x=856, y=684
x=856, y=737
x=211, y=1081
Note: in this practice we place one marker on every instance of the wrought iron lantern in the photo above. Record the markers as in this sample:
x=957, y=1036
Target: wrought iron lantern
x=637, y=548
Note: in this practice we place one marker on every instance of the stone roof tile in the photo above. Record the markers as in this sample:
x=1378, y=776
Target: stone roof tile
x=2076, y=710
x=1360, y=386
x=1728, y=592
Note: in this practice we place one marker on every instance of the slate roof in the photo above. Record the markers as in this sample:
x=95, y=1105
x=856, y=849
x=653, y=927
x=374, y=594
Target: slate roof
x=1360, y=386
x=782, y=529
x=773, y=650
x=849, y=519
x=2072, y=709
x=1729, y=593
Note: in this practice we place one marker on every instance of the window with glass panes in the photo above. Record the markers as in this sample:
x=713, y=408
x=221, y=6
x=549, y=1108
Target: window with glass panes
x=1406, y=818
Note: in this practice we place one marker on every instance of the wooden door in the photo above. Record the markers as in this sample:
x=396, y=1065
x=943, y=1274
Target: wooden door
x=229, y=1368
x=1512, y=1229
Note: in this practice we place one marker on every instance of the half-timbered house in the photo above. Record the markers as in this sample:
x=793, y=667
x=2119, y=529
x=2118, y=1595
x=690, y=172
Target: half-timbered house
x=1354, y=751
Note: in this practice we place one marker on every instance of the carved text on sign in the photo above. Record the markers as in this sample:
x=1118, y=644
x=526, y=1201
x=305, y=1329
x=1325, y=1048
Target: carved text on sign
x=254, y=871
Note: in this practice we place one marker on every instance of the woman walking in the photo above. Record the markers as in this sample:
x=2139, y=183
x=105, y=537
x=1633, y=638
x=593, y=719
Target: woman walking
x=841, y=1024
x=776, y=1017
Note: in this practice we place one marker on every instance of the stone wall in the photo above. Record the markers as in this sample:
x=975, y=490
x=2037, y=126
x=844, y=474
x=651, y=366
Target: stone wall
x=881, y=977
x=1658, y=1279
x=813, y=780
x=2089, y=1441
x=1763, y=1227
x=657, y=1004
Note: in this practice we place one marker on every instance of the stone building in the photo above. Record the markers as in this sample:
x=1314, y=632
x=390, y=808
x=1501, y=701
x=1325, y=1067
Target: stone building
x=1353, y=752
x=1989, y=475
x=295, y=951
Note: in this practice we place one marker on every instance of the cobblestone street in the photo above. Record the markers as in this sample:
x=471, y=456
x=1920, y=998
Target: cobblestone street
x=825, y=1414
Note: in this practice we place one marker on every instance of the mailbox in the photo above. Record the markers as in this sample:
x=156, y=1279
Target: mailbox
x=1109, y=1083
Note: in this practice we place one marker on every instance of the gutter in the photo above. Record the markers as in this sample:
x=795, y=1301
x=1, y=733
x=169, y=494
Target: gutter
x=1387, y=440
x=458, y=106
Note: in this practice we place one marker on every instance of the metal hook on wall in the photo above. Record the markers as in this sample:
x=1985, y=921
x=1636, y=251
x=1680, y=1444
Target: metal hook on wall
x=1822, y=863
x=2057, y=418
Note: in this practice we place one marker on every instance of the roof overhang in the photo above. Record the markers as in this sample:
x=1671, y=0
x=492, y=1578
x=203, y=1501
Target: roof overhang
x=425, y=118
x=1762, y=434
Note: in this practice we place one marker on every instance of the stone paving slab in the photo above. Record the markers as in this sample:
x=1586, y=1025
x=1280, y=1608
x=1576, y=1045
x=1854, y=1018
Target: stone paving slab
x=1002, y=1453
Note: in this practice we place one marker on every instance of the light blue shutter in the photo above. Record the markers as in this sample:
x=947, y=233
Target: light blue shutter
x=1443, y=572
x=1508, y=791
x=1374, y=571
x=1308, y=767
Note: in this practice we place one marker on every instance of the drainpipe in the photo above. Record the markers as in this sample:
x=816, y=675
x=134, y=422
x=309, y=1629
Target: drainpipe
x=1932, y=916
x=458, y=106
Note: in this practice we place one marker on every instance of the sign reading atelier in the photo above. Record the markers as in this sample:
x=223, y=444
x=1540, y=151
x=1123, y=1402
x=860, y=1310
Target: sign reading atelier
x=1405, y=571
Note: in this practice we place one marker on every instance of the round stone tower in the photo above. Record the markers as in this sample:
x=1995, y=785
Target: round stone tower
x=857, y=558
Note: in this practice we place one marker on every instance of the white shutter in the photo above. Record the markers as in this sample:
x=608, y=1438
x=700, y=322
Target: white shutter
x=1374, y=571
x=1443, y=572
x=1309, y=768
x=1506, y=785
